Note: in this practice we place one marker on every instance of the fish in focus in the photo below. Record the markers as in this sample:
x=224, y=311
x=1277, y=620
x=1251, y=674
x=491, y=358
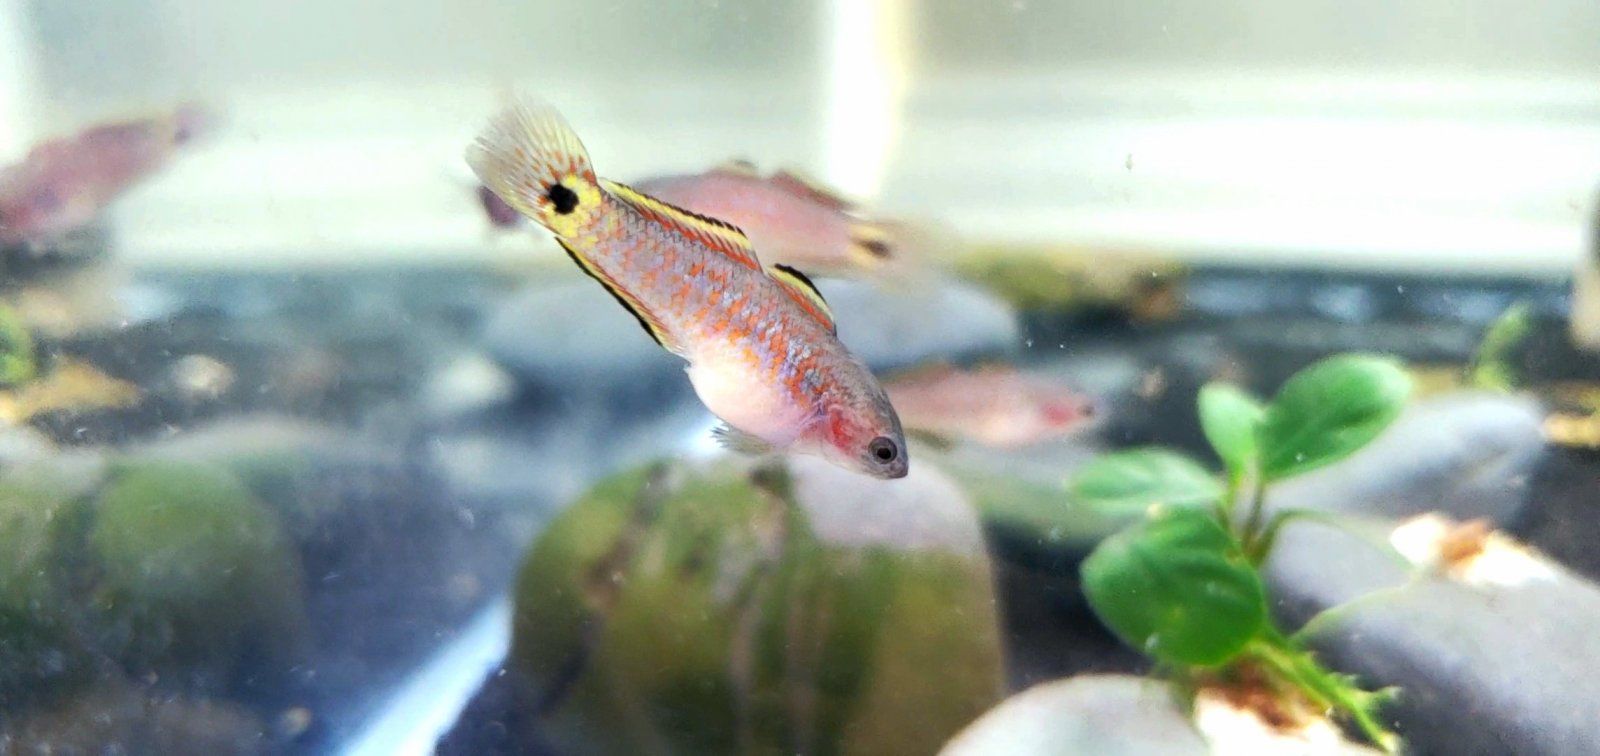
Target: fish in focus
x=759, y=341
x=791, y=219
x=994, y=405
x=65, y=183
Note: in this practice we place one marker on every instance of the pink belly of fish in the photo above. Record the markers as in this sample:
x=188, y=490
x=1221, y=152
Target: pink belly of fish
x=728, y=383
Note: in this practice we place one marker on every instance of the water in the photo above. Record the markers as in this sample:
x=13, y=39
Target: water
x=299, y=453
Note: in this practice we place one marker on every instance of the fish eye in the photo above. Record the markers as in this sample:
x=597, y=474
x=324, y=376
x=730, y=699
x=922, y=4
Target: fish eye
x=883, y=449
x=564, y=200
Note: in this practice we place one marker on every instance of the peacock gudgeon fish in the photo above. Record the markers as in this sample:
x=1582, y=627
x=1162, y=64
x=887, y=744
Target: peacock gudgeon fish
x=760, y=341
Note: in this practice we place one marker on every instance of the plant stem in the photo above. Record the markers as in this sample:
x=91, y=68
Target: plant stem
x=1230, y=500
x=1323, y=688
x=1252, y=523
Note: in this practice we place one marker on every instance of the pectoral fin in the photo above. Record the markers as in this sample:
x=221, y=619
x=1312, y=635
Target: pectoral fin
x=739, y=442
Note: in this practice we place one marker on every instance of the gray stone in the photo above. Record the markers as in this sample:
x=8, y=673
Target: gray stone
x=1483, y=668
x=470, y=383
x=1107, y=715
x=1468, y=454
x=572, y=337
x=898, y=326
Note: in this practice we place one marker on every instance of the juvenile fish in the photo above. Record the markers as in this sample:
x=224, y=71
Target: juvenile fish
x=65, y=183
x=994, y=405
x=759, y=341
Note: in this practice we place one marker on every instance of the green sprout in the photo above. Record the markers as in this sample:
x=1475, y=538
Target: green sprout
x=1183, y=583
x=17, y=362
x=1492, y=366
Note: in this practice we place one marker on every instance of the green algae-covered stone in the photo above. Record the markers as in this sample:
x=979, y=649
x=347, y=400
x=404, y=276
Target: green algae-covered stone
x=1064, y=280
x=714, y=609
x=118, y=717
x=36, y=648
x=195, y=573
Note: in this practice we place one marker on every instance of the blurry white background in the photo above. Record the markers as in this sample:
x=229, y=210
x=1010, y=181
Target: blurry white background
x=1423, y=134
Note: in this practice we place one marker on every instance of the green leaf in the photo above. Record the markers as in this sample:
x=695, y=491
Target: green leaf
x=1329, y=410
x=1177, y=587
x=1229, y=417
x=17, y=364
x=1492, y=365
x=1131, y=481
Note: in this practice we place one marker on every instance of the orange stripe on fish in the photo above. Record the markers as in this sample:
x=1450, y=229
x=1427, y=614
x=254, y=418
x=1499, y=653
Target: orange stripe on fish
x=722, y=237
x=646, y=318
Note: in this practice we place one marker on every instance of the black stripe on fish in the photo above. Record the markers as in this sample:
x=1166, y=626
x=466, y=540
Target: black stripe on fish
x=645, y=324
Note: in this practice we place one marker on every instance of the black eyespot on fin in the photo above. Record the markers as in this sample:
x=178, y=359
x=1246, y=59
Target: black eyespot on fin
x=564, y=200
x=613, y=292
x=803, y=279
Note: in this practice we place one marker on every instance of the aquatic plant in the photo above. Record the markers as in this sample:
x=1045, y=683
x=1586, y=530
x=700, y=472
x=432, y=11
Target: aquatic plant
x=1493, y=366
x=1183, y=583
x=18, y=364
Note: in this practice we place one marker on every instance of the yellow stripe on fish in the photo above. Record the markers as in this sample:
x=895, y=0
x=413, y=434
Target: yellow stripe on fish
x=723, y=237
x=805, y=294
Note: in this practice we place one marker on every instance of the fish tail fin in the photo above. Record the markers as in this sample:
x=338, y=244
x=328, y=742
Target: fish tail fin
x=533, y=160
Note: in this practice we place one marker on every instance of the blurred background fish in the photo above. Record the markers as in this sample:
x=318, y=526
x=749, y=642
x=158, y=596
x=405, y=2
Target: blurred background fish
x=65, y=183
x=993, y=405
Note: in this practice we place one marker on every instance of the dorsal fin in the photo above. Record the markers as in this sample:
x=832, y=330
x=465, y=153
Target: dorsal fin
x=804, y=293
x=737, y=167
x=719, y=235
x=804, y=186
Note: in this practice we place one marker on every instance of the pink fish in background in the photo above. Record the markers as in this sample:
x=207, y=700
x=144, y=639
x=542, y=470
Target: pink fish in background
x=994, y=405
x=65, y=183
x=500, y=214
x=789, y=219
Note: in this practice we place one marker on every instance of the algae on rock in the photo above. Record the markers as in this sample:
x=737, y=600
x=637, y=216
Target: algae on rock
x=794, y=610
x=195, y=573
x=37, y=648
